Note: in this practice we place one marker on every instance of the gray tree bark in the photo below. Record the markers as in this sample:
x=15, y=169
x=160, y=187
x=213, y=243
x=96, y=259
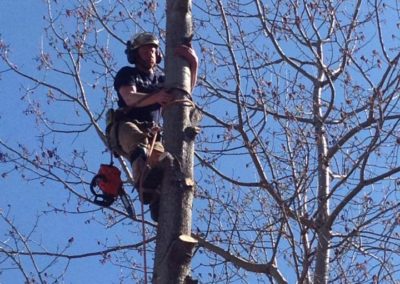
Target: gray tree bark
x=321, y=274
x=174, y=245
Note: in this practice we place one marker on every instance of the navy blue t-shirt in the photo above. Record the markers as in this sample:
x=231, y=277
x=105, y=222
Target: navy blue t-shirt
x=145, y=83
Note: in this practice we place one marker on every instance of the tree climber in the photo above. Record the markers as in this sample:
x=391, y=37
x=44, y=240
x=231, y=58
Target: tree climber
x=135, y=123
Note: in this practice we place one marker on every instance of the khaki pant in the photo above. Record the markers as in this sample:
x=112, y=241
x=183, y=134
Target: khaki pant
x=130, y=136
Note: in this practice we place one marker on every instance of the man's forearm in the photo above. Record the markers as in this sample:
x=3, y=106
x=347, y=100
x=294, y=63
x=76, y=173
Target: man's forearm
x=141, y=99
x=132, y=98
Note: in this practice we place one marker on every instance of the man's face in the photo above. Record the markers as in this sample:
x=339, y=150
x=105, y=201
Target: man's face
x=148, y=55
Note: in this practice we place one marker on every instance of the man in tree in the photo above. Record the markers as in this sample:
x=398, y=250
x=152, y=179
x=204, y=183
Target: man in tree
x=140, y=98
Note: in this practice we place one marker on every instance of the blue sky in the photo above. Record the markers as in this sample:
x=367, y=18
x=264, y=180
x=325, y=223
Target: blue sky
x=20, y=25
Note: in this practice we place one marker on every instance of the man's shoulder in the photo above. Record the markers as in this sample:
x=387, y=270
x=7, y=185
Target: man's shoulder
x=125, y=76
x=127, y=70
x=159, y=75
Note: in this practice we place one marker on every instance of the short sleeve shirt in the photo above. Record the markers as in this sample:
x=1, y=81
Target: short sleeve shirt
x=145, y=83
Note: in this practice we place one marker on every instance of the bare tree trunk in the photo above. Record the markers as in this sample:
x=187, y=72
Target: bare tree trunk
x=174, y=245
x=322, y=253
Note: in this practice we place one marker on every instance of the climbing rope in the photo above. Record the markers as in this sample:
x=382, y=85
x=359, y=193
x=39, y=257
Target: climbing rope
x=144, y=243
x=141, y=177
x=186, y=100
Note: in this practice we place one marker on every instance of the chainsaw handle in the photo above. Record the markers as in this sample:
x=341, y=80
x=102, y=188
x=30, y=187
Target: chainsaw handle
x=94, y=183
x=100, y=199
x=105, y=200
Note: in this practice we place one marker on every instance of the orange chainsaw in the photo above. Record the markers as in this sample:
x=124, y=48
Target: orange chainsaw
x=108, y=180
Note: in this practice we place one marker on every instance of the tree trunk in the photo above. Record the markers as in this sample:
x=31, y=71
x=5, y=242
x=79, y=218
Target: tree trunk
x=324, y=237
x=174, y=245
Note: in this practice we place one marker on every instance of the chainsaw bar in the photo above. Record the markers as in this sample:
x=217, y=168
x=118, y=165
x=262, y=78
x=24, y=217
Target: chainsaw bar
x=126, y=201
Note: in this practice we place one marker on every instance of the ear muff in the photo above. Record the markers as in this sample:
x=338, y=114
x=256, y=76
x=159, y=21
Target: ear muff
x=158, y=56
x=131, y=53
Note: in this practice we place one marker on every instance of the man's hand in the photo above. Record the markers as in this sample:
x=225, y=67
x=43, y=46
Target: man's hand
x=190, y=56
x=162, y=97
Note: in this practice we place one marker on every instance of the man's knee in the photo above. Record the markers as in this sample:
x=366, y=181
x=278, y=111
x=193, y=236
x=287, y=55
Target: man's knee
x=130, y=137
x=155, y=155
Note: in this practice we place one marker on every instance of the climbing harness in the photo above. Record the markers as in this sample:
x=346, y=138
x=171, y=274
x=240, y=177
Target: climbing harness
x=108, y=180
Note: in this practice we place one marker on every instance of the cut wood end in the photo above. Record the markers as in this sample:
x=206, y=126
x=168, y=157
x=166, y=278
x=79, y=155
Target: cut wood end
x=189, y=182
x=188, y=239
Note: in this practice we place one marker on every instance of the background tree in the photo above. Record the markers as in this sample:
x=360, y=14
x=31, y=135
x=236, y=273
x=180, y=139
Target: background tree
x=296, y=164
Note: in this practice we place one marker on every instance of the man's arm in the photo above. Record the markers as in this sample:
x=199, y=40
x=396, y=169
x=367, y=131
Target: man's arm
x=133, y=98
x=190, y=56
